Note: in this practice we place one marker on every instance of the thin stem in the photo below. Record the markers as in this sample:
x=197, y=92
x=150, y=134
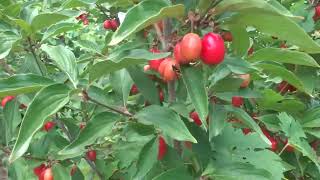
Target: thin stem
x=101, y=9
x=34, y=55
x=123, y=112
x=160, y=35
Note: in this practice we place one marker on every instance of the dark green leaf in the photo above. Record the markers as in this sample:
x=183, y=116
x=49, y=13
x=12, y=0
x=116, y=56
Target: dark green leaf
x=217, y=120
x=12, y=119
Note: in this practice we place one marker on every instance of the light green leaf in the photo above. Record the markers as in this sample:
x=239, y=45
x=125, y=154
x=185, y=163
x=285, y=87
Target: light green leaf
x=283, y=56
x=167, y=120
x=217, y=120
x=7, y=39
x=65, y=60
x=45, y=20
x=58, y=29
x=192, y=77
x=12, y=119
x=20, y=84
x=99, y=126
x=46, y=102
x=123, y=88
x=175, y=173
x=144, y=14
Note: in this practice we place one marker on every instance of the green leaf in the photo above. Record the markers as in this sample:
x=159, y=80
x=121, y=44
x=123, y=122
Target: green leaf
x=175, y=173
x=7, y=39
x=123, y=88
x=102, y=97
x=203, y=6
x=283, y=56
x=12, y=119
x=192, y=77
x=45, y=20
x=147, y=158
x=99, y=126
x=65, y=60
x=60, y=172
x=240, y=40
x=145, y=85
x=46, y=102
x=20, y=84
x=145, y=14
x=273, y=101
x=242, y=115
x=58, y=29
x=276, y=70
x=217, y=120
x=123, y=59
x=269, y=20
x=167, y=120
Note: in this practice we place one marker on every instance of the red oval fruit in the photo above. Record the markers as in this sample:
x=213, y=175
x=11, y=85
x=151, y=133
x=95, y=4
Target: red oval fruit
x=237, y=101
x=114, y=24
x=134, y=90
x=163, y=65
x=316, y=13
x=39, y=169
x=82, y=126
x=107, y=24
x=85, y=22
x=169, y=73
x=246, y=131
x=285, y=86
x=48, y=126
x=246, y=80
x=213, y=50
x=92, y=155
x=146, y=68
x=178, y=56
x=6, y=99
x=154, y=64
x=47, y=174
x=274, y=144
x=227, y=36
x=191, y=47
x=194, y=115
x=250, y=51
x=162, y=148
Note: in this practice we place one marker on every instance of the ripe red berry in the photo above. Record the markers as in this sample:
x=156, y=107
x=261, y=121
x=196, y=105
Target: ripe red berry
x=274, y=144
x=227, y=36
x=46, y=174
x=246, y=131
x=285, y=86
x=154, y=64
x=146, y=68
x=48, y=126
x=107, y=24
x=266, y=133
x=194, y=115
x=39, y=169
x=213, y=50
x=283, y=45
x=316, y=13
x=134, y=90
x=92, y=155
x=82, y=125
x=162, y=148
x=250, y=51
x=191, y=47
x=246, y=80
x=114, y=24
x=237, y=101
x=178, y=56
x=82, y=16
x=6, y=99
x=85, y=22
x=166, y=69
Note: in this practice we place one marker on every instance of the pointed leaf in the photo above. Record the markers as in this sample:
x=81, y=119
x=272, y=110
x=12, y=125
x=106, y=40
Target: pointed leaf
x=12, y=118
x=194, y=81
x=20, y=84
x=167, y=120
x=45, y=20
x=46, y=102
x=217, y=120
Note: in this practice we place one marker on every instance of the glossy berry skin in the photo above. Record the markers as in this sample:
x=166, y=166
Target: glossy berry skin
x=162, y=148
x=316, y=13
x=194, y=115
x=6, y=99
x=178, y=56
x=166, y=69
x=48, y=126
x=92, y=155
x=237, y=101
x=285, y=86
x=46, y=174
x=227, y=36
x=114, y=24
x=39, y=169
x=134, y=90
x=191, y=47
x=154, y=64
x=274, y=144
x=213, y=50
x=107, y=24
x=246, y=80
x=246, y=131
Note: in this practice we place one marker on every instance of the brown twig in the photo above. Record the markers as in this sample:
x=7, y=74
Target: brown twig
x=34, y=55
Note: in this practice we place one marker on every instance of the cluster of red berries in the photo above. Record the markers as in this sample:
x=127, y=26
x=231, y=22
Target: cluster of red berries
x=316, y=15
x=43, y=172
x=111, y=24
x=92, y=155
x=84, y=18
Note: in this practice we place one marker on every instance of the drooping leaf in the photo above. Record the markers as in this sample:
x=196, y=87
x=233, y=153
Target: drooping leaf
x=65, y=60
x=12, y=119
x=192, y=77
x=46, y=102
x=7, y=39
x=167, y=120
x=144, y=14
x=24, y=83
x=283, y=56
x=99, y=126
x=123, y=88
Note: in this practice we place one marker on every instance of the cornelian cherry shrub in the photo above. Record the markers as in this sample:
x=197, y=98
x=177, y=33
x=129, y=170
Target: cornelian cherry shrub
x=159, y=89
